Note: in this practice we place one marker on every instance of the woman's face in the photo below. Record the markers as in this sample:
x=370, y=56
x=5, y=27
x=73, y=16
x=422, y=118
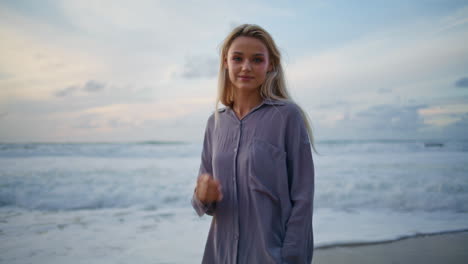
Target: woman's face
x=247, y=62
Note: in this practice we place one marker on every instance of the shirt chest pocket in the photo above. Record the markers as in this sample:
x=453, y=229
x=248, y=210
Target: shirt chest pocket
x=267, y=170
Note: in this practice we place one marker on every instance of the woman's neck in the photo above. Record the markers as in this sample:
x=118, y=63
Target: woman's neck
x=244, y=102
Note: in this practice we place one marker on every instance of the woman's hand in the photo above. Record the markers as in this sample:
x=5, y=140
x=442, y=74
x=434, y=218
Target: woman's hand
x=208, y=190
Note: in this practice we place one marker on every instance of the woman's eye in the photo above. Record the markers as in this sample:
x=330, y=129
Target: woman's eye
x=258, y=60
x=236, y=59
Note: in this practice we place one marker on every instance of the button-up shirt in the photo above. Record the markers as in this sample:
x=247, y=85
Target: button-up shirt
x=264, y=165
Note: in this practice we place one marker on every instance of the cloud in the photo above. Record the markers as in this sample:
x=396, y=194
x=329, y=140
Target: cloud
x=86, y=121
x=458, y=129
x=384, y=90
x=4, y=76
x=391, y=117
x=91, y=86
x=376, y=122
x=408, y=60
x=351, y=86
x=462, y=83
x=445, y=112
x=338, y=103
x=36, y=67
x=386, y=121
x=200, y=67
x=66, y=91
x=394, y=118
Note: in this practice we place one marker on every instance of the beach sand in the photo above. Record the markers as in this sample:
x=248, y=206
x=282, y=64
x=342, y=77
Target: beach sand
x=448, y=248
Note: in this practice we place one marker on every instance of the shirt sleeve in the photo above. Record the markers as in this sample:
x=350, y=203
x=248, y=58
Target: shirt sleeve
x=205, y=167
x=298, y=244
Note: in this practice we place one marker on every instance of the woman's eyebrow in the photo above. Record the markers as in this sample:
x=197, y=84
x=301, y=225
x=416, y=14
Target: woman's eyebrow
x=240, y=53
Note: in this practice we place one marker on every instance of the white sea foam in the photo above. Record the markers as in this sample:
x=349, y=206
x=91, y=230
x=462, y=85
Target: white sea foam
x=132, y=235
x=160, y=176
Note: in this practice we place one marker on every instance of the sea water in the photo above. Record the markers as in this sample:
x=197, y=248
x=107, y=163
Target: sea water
x=130, y=202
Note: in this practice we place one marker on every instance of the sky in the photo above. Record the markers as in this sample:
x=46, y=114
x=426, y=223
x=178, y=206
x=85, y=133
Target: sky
x=125, y=71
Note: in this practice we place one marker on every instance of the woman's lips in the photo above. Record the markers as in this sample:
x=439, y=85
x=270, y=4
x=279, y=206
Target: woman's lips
x=245, y=78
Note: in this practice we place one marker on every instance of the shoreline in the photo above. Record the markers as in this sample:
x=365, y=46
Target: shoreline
x=448, y=247
x=370, y=243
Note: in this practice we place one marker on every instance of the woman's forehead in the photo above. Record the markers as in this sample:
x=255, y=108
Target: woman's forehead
x=248, y=45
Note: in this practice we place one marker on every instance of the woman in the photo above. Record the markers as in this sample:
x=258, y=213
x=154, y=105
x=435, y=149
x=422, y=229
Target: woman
x=257, y=175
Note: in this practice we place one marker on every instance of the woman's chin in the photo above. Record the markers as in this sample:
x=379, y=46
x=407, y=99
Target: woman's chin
x=247, y=88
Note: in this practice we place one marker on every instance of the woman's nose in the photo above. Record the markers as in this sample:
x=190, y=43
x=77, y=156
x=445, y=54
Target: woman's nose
x=246, y=66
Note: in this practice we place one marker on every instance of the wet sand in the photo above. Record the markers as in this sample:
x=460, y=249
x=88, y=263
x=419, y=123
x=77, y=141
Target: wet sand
x=448, y=248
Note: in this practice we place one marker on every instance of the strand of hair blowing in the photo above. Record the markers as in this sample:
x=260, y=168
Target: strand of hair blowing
x=274, y=86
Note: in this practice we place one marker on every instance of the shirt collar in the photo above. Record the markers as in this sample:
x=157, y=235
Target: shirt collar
x=272, y=102
x=265, y=101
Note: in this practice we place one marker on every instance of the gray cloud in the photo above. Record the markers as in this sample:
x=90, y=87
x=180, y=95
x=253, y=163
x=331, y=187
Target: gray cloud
x=66, y=91
x=4, y=76
x=200, y=67
x=458, y=129
x=90, y=86
x=384, y=90
x=93, y=121
x=463, y=82
x=87, y=121
x=335, y=104
x=93, y=86
x=392, y=117
x=382, y=121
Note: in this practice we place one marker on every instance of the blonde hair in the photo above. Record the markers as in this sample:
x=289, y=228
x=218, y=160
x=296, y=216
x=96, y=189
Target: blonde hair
x=274, y=86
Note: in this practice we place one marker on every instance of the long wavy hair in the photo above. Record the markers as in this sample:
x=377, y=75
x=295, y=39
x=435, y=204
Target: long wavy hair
x=274, y=86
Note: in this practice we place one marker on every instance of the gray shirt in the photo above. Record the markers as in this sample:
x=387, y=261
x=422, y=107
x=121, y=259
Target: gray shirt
x=264, y=164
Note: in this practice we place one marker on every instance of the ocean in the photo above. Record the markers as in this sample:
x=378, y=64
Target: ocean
x=130, y=202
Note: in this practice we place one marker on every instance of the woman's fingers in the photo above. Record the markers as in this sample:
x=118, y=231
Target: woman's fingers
x=208, y=189
x=211, y=190
x=202, y=187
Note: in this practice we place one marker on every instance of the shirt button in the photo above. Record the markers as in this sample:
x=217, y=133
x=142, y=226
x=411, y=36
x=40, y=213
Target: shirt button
x=236, y=236
x=234, y=179
x=235, y=149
